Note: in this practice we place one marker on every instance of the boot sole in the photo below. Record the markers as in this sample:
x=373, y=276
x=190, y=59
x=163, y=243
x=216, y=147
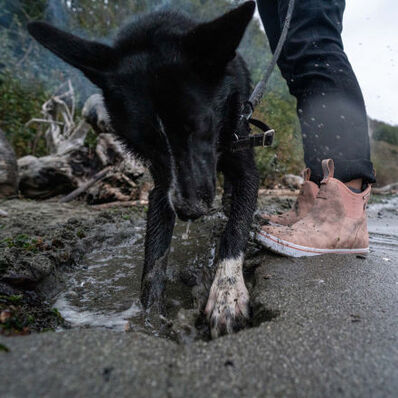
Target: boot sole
x=289, y=249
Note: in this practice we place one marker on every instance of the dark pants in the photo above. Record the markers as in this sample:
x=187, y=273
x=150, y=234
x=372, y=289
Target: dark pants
x=330, y=105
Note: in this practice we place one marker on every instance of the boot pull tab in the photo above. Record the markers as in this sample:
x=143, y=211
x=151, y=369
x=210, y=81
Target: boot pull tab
x=328, y=168
x=306, y=174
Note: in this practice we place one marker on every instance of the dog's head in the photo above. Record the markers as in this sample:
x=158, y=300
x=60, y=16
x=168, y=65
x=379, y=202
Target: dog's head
x=165, y=83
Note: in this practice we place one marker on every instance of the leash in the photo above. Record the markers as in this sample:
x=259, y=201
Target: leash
x=267, y=136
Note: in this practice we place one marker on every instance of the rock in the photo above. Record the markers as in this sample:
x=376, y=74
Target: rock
x=3, y=213
x=292, y=181
x=8, y=168
x=24, y=271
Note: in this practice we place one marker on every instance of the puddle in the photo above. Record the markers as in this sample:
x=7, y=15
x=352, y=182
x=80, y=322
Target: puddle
x=104, y=292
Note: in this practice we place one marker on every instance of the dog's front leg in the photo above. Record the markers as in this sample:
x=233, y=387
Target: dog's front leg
x=228, y=304
x=159, y=230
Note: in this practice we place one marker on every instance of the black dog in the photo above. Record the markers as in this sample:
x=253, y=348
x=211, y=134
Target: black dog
x=173, y=89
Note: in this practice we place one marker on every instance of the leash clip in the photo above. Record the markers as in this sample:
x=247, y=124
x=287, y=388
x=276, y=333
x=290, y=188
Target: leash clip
x=263, y=139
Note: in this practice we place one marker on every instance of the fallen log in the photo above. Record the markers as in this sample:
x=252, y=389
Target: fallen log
x=52, y=175
x=389, y=189
x=97, y=177
x=292, y=181
x=71, y=167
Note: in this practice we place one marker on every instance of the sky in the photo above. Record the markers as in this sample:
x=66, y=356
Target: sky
x=370, y=36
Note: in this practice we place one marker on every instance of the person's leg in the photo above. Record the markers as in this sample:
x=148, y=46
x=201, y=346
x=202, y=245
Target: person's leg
x=329, y=100
x=334, y=125
x=269, y=13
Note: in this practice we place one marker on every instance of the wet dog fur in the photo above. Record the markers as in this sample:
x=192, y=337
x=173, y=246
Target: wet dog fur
x=173, y=88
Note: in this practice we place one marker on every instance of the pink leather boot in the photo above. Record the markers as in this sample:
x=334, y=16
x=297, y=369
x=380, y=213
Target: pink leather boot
x=336, y=223
x=305, y=201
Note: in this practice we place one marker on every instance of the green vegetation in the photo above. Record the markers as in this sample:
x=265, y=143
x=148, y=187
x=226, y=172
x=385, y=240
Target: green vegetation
x=24, y=242
x=4, y=348
x=18, y=317
x=384, y=132
x=22, y=92
x=384, y=145
x=286, y=154
x=13, y=299
x=385, y=160
x=19, y=104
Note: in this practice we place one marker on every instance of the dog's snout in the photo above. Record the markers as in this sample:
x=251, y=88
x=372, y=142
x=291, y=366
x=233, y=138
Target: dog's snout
x=189, y=209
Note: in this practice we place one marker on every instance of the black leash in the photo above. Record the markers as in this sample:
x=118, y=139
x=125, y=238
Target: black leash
x=266, y=137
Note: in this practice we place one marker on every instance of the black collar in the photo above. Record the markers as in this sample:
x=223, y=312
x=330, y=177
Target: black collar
x=263, y=139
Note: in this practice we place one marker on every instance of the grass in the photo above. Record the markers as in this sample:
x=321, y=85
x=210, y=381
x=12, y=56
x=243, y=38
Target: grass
x=385, y=162
x=25, y=242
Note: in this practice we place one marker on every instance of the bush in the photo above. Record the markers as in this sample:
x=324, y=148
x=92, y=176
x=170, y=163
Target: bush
x=384, y=132
x=286, y=153
x=18, y=104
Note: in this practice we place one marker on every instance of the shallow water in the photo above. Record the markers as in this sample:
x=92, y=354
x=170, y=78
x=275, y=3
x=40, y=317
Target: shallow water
x=383, y=225
x=104, y=291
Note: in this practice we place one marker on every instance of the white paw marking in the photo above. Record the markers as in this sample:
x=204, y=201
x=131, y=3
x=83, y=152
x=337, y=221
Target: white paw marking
x=228, y=303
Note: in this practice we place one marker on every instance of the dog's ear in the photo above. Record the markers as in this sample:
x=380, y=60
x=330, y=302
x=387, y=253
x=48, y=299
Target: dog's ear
x=91, y=57
x=215, y=42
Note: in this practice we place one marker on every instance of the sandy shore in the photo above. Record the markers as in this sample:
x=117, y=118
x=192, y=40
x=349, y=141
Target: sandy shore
x=328, y=326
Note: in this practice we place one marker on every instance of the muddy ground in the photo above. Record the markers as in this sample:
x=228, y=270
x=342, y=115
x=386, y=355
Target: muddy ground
x=321, y=327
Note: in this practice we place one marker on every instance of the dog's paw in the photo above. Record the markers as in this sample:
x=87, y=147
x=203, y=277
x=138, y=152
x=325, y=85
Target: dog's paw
x=227, y=308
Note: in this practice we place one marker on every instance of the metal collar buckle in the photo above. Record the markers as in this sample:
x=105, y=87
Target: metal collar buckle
x=268, y=137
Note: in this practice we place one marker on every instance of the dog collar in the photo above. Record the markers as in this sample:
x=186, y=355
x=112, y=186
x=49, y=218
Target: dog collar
x=263, y=139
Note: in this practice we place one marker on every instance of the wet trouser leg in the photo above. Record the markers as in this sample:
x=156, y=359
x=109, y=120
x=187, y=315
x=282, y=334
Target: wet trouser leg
x=330, y=105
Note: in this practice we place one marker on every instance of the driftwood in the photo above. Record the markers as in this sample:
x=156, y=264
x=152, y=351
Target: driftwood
x=389, y=189
x=121, y=183
x=69, y=161
x=97, y=177
x=292, y=181
x=64, y=134
x=8, y=168
x=277, y=192
x=3, y=213
x=72, y=168
x=45, y=177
